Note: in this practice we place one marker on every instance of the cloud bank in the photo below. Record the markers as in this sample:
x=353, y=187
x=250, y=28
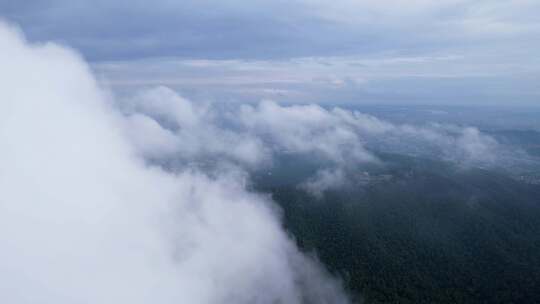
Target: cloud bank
x=174, y=131
x=166, y=125
x=84, y=219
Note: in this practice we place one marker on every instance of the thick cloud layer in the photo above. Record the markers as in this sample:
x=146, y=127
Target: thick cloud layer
x=84, y=220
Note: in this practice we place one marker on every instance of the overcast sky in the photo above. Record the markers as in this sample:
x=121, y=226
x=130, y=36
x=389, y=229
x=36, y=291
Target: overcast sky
x=389, y=52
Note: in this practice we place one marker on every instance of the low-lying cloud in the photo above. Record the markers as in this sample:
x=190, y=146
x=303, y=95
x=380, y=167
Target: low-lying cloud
x=85, y=219
x=172, y=130
x=164, y=124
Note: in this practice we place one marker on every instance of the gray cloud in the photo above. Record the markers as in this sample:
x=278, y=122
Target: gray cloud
x=427, y=52
x=272, y=29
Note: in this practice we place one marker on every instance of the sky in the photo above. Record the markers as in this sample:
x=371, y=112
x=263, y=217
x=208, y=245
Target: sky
x=455, y=52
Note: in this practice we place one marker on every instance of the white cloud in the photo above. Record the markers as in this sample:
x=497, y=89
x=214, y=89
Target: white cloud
x=305, y=129
x=251, y=135
x=84, y=220
x=150, y=138
x=165, y=125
